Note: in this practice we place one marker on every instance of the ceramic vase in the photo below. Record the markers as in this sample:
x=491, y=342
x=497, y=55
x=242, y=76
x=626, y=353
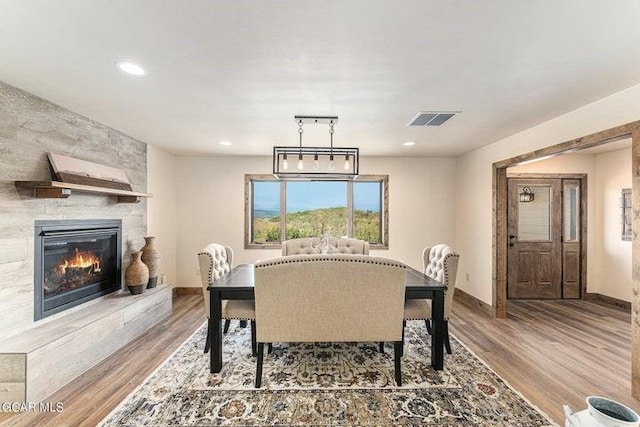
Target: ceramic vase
x=151, y=257
x=136, y=276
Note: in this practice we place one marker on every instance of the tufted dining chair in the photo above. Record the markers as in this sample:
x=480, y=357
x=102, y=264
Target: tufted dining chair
x=440, y=262
x=216, y=260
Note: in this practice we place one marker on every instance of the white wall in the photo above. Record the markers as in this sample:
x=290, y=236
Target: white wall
x=475, y=193
x=210, y=207
x=612, y=255
x=161, y=208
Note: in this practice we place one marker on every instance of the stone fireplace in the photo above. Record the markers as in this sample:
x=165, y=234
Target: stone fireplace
x=75, y=261
x=38, y=357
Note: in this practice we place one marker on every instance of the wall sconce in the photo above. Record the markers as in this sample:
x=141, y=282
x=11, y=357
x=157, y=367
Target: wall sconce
x=527, y=195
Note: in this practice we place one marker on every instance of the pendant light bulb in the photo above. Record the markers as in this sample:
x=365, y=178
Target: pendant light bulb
x=347, y=166
x=332, y=165
x=285, y=162
x=300, y=163
x=316, y=163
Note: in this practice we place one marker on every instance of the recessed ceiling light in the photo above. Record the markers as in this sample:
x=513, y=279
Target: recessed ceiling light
x=408, y=143
x=224, y=143
x=131, y=68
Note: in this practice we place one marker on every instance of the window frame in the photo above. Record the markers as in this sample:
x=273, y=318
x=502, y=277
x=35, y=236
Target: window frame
x=248, y=208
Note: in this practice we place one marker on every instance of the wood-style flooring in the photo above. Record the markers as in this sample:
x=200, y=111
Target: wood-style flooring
x=552, y=352
x=93, y=395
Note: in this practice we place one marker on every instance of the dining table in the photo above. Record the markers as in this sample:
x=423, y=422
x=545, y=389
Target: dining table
x=238, y=284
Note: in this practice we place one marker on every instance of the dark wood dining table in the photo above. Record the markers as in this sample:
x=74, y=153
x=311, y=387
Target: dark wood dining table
x=239, y=284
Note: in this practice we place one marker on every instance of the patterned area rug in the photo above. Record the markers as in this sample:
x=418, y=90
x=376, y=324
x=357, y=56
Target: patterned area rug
x=337, y=384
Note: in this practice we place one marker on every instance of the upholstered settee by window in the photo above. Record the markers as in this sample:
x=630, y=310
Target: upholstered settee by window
x=324, y=245
x=329, y=298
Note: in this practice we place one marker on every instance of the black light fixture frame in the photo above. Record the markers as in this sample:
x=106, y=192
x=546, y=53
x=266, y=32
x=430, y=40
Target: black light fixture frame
x=339, y=153
x=331, y=153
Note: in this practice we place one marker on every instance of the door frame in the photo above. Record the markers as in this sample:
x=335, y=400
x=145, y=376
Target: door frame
x=499, y=223
x=582, y=177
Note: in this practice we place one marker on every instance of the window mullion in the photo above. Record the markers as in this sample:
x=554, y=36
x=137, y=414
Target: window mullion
x=350, y=208
x=283, y=210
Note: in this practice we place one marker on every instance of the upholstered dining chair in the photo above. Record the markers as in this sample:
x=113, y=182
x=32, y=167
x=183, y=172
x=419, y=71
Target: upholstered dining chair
x=440, y=262
x=216, y=260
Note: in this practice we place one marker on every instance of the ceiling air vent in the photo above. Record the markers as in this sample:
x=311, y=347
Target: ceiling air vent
x=431, y=118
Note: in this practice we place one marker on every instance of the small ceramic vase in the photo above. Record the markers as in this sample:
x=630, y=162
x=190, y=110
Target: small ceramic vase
x=136, y=276
x=151, y=257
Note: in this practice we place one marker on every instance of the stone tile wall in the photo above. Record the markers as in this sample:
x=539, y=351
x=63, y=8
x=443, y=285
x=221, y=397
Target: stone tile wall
x=30, y=127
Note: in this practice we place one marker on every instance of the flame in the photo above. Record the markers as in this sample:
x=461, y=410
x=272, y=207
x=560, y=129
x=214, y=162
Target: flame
x=81, y=260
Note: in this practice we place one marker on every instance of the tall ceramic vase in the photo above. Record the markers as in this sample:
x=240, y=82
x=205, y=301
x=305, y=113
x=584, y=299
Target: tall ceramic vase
x=136, y=276
x=151, y=257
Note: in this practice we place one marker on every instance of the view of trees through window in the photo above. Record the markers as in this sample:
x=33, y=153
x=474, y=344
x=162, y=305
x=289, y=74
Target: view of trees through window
x=266, y=211
x=315, y=208
x=366, y=211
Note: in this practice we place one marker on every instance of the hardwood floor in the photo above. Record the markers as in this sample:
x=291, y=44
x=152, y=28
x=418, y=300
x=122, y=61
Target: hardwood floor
x=93, y=395
x=552, y=352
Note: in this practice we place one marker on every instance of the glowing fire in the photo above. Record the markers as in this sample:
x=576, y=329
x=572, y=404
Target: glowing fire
x=81, y=260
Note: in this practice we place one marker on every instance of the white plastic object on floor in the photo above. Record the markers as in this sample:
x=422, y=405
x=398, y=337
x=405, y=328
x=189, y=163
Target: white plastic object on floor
x=601, y=412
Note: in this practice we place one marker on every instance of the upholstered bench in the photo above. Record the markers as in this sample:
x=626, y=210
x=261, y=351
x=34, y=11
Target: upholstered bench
x=324, y=245
x=329, y=298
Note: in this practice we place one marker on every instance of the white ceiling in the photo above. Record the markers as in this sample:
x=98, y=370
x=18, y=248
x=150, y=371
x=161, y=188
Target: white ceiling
x=239, y=70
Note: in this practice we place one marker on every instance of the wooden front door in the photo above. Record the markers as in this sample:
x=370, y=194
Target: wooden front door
x=543, y=255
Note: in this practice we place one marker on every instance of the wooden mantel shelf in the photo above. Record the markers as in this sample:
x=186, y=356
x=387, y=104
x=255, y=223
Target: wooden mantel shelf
x=62, y=190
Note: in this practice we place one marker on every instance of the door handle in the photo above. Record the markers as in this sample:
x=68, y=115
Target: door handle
x=512, y=236
x=511, y=244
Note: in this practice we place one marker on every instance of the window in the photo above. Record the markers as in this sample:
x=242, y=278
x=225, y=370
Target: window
x=314, y=208
x=367, y=205
x=266, y=212
x=280, y=210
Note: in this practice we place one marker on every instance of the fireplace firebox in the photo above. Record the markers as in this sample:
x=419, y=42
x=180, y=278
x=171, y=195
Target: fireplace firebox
x=75, y=261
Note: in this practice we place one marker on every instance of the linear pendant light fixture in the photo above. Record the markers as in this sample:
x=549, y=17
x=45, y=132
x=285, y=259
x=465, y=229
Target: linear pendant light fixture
x=315, y=163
